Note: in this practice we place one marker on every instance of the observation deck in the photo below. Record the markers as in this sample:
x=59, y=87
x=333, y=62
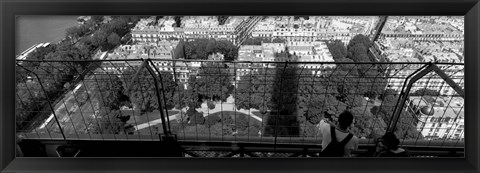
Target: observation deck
x=193, y=108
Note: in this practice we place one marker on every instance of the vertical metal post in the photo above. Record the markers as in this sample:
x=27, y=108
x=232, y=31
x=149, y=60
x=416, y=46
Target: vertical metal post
x=404, y=94
x=145, y=65
x=391, y=128
x=162, y=115
x=163, y=94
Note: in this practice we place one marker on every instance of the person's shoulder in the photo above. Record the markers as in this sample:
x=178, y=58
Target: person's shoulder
x=324, y=124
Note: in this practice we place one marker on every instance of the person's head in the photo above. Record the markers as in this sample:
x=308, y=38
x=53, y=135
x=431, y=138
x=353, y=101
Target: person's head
x=390, y=141
x=345, y=119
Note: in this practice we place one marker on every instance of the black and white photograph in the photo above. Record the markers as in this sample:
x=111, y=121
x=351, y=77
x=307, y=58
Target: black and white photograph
x=240, y=86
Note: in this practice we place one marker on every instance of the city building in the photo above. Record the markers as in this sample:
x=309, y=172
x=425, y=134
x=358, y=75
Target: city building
x=193, y=27
x=161, y=50
x=424, y=29
x=443, y=119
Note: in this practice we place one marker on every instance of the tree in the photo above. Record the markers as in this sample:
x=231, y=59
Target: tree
x=192, y=97
x=425, y=91
x=366, y=124
x=260, y=40
x=222, y=19
x=111, y=89
x=178, y=20
x=350, y=67
x=358, y=53
x=337, y=49
x=354, y=100
x=100, y=39
x=97, y=19
x=358, y=50
x=201, y=48
x=30, y=98
x=143, y=93
x=88, y=46
x=310, y=130
x=210, y=104
x=298, y=17
x=359, y=39
x=227, y=48
x=213, y=82
x=113, y=40
x=387, y=93
x=120, y=26
x=76, y=32
x=255, y=90
x=110, y=122
x=179, y=98
x=406, y=125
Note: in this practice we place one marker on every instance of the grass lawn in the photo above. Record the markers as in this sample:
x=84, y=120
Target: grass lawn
x=146, y=117
x=156, y=129
x=231, y=114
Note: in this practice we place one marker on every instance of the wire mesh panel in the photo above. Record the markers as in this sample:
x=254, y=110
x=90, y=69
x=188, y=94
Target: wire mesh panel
x=435, y=108
x=278, y=102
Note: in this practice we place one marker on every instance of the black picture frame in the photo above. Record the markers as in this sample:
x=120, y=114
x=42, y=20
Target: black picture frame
x=11, y=8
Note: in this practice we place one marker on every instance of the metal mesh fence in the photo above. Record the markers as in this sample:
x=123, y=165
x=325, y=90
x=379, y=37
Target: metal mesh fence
x=235, y=101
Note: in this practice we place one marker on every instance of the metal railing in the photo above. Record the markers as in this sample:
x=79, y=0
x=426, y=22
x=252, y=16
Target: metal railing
x=237, y=101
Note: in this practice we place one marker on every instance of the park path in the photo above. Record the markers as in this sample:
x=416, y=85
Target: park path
x=225, y=106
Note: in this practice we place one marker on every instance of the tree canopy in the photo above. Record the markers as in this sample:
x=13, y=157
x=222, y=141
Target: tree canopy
x=201, y=48
x=406, y=125
x=260, y=40
x=425, y=91
x=214, y=82
x=110, y=122
x=337, y=49
x=222, y=19
x=143, y=92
